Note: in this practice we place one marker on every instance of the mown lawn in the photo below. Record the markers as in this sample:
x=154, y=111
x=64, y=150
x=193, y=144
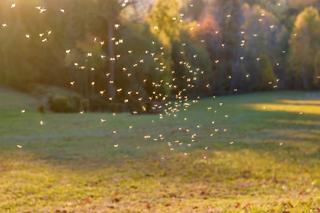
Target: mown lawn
x=263, y=156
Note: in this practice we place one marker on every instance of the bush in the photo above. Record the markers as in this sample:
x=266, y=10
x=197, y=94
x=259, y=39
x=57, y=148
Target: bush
x=147, y=107
x=99, y=104
x=59, y=99
x=64, y=103
x=117, y=107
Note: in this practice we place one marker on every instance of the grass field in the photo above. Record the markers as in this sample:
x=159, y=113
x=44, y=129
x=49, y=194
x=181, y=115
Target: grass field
x=264, y=156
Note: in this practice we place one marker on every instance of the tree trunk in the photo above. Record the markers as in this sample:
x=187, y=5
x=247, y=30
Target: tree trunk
x=110, y=80
x=304, y=77
x=235, y=70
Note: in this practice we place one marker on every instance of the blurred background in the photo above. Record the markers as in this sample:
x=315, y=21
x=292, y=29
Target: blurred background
x=122, y=55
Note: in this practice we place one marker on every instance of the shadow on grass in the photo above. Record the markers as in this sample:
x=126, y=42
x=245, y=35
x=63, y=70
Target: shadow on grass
x=72, y=157
x=284, y=134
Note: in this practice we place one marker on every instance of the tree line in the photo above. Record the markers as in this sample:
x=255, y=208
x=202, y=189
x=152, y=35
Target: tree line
x=123, y=51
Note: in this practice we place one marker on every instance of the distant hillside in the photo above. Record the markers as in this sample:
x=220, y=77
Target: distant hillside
x=13, y=99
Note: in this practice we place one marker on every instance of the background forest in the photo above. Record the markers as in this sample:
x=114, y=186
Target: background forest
x=119, y=55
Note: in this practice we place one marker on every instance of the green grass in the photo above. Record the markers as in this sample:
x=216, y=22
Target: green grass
x=266, y=160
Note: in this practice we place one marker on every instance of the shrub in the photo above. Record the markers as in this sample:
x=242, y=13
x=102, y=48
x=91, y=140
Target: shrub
x=64, y=103
x=146, y=107
x=99, y=104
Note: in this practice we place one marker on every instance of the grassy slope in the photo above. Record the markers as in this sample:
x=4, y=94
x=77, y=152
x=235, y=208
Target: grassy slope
x=71, y=162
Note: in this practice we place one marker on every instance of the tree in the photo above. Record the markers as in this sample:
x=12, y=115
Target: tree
x=166, y=23
x=264, y=42
x=109, y=11
x=193, y=68
x=266, y=77
x=229, y=16
x=317, y=70
x=304, y=47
